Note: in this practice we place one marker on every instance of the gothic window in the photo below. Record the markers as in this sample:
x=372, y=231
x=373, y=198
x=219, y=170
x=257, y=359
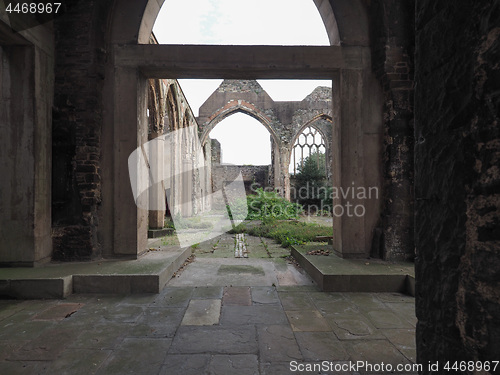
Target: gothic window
x=309, y=142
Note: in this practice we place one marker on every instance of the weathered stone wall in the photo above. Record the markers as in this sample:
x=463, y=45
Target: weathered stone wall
x=256, y=175
x=392, y=59
x=284, y=120
x=457, y=180
x=216, y=151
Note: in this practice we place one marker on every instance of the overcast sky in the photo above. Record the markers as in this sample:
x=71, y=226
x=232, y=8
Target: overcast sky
x=266, y=22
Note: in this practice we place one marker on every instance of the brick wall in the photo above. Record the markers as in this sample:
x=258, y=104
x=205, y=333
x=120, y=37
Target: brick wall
x=79, y=75
x=457, y=180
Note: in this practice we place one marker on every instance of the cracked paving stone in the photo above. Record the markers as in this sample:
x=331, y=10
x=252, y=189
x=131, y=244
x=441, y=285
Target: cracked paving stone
x=58, y=312
x=356, y=327
x=236, y=296
x=277, y=344
x=265, y=296
x=320, y=346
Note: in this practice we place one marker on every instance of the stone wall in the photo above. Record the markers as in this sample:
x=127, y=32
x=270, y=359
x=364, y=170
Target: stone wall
x=254, y=176
x=284, y=120
x=457, y=180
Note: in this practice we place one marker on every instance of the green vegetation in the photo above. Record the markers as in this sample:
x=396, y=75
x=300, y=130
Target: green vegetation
x=287, y=233
x=311, y=183
x=194, y=222
x=268, y=206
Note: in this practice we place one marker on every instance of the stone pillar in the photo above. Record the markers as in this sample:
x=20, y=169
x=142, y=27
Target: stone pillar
x=351, y=164
x=157, y=191
x=356, y=155
x=26, y=90
x=129, y=223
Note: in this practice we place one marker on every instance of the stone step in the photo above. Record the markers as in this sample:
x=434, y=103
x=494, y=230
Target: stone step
x=148, y=274
x=334, y=274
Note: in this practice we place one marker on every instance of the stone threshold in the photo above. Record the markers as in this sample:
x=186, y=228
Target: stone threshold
x=148, y=274
x=335, y=274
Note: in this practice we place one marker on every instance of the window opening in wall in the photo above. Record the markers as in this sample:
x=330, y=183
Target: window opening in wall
x=243, y=140
x=310, y=145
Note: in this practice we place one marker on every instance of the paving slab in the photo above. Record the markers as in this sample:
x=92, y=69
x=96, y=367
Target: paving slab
x=405, y=311
x=250, y=315
x=387, y=319
x=277, y=343
x=99, y=337
x=185, y=364
x=237, y=296
x=241, y=364
x=375, y=352
x=307, y=321
x=215, y=339
x=264, y=295
x=205, y=272
x=404, y=341
x=296, y=301
x=174, y=297
x=353, y=327
x=143, y=356
x=320, y=346
x=78, y=362
x=158, y=322
x=208, y=292
x=45, y=347
x=202, y=312
x=237, y=269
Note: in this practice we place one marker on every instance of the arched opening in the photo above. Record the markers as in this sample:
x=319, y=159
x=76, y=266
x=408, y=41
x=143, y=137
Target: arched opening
x=233, y=142
x=239, y=135
x=220, y=22
x=356, y=98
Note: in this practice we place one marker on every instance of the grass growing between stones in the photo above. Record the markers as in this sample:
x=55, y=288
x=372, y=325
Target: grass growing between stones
x=286, y=232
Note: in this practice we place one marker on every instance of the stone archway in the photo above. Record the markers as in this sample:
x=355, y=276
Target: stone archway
x=240, y=106
x=357, y=107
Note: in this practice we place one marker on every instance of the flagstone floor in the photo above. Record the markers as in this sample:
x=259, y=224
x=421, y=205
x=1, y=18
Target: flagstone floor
x=219, y=316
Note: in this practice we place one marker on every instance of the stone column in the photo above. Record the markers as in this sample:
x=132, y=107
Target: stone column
x=157, y=191
x=129, y=222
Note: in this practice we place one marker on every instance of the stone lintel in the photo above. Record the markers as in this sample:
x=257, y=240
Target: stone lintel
x=241, y=62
